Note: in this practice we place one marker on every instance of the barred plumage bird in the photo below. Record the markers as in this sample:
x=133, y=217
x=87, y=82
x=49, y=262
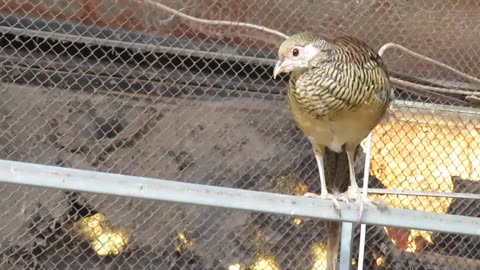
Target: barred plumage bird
x=338, y=92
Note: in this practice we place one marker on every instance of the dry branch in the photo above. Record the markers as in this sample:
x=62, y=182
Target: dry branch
x=215, y=22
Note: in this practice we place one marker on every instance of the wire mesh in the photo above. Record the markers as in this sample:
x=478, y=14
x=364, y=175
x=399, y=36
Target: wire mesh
x=62, y=230
x=124, y=86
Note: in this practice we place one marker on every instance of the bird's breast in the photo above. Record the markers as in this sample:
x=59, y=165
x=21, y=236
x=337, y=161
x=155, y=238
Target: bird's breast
x=334, y=131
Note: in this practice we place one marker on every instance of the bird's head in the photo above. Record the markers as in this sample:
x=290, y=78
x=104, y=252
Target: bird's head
x=296, y=52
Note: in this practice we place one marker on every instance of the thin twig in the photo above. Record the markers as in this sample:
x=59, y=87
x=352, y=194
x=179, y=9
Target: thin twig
x=169, y=19
x=426, y=88
x=473, y=99
x=429, y=88
x=473, y=87
x=423, y=57
x=216, y=22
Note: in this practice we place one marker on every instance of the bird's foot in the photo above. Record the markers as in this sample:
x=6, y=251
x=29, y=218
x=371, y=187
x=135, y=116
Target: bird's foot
x=354, y=194
x=325, y=196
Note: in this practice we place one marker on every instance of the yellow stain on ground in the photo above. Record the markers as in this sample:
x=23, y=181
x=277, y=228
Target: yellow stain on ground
x=109, y=243
x=319, y=253
x=415, y=234
x=297, y=221
x=380, y=261
x=290, y=184
x=409, y=240
x=236, y=266
x=422, y=152
x=184, y=242
x=265, y=263
x=104, y=238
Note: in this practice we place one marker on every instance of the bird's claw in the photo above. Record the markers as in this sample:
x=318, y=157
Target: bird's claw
x=352, y=194
x=381, y=204
x=325, y=196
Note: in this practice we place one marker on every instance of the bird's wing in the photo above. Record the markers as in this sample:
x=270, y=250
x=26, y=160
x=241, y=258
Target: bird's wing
x=348, y=75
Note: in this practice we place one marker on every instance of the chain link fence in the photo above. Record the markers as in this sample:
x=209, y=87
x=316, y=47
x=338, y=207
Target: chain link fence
x=124, y=86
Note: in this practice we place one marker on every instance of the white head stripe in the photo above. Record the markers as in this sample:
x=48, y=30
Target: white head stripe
x=310, y=51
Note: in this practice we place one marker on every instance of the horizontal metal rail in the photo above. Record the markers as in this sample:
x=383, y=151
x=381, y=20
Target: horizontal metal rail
x=454, y=195
x=134, y=45
x=174, y=191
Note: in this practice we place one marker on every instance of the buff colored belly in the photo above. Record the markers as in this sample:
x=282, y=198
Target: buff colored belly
x=349, y=127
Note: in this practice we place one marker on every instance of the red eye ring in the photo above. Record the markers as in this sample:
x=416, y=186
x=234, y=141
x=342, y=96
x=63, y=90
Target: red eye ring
x=295, y=52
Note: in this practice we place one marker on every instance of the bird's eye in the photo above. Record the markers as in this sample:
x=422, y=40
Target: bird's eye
x=295, y=52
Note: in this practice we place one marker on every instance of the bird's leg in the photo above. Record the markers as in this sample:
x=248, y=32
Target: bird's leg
x=353, y=192
x=353, y=188
x=321, y=172
x=323, y=182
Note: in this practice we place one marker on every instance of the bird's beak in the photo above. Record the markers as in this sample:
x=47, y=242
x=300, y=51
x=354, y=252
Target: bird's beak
x=278, y=69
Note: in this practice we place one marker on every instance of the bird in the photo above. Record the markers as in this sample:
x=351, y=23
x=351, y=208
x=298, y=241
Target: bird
x=338, y=92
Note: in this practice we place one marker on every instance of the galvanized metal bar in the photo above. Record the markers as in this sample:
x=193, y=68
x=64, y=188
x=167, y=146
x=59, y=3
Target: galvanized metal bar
x=456, y=195
x=180, y=192
x=423, y=106
x=133, y=45
x=346, y=245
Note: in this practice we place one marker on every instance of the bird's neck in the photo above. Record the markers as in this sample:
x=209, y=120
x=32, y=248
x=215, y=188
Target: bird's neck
x=293, y=89
x=292, y=83
x=294, y=75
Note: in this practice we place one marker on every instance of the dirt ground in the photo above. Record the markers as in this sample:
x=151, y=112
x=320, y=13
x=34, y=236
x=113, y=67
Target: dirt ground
x=213, y=142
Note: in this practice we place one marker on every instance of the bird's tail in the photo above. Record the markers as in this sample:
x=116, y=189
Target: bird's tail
x=333, y=244
x=336, y=170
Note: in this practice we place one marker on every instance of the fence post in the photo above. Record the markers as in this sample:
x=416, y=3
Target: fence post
x=346, y=246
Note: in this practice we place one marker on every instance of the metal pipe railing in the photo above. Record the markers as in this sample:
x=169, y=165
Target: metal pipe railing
x=175, y=191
